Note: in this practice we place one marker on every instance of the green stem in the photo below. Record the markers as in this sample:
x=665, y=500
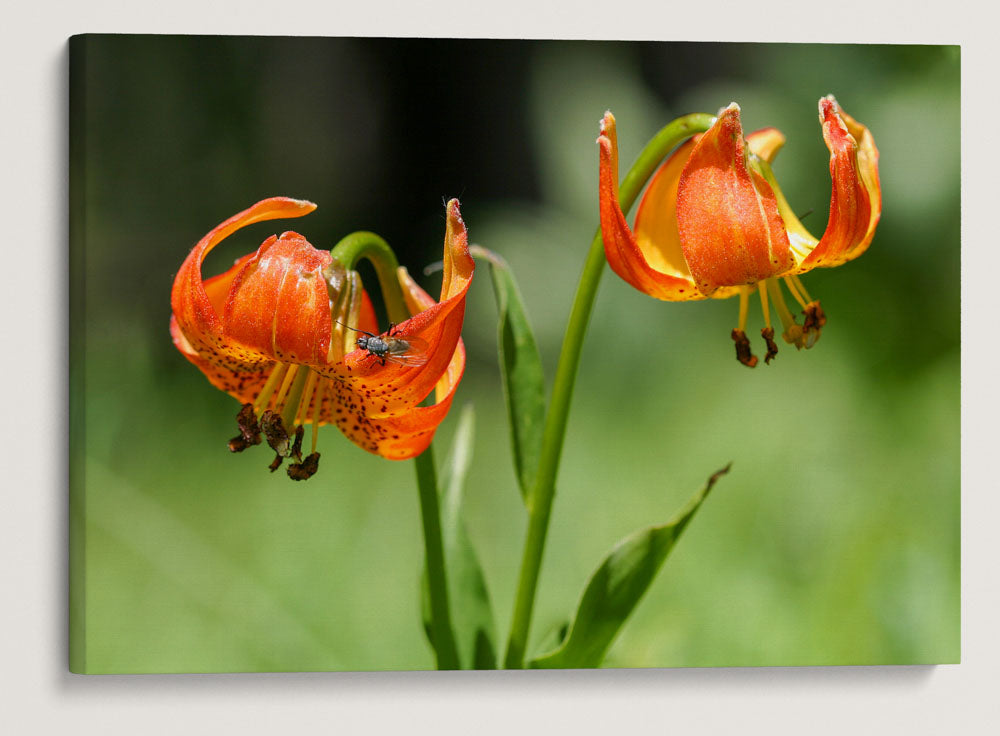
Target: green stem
x=437, y=583
x=363, y=244
x=562, y=390
x=349, y=251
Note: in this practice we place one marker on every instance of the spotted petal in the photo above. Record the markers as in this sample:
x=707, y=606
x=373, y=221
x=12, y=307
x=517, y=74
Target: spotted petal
x=387, y=390
x=271, y=331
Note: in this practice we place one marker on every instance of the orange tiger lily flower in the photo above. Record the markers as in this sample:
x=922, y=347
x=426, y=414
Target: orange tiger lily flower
x=279, y=332
x=714, y=223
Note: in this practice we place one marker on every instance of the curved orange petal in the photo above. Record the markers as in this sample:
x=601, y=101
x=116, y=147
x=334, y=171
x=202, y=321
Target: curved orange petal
x=217, y=287
x=418, y=300
x=239, y=381
x=382, y=391
x=730, y=230
x=621, y=248
x=278, y=304
x=656, y=219
x=396, y=437
x=766, y=143
x=274, y=306
x=868, y=168
x=856, y=199
x=367, y=320
x=194, y=302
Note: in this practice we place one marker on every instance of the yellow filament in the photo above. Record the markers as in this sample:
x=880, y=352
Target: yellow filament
x=795, y=292
x=279, y=401
x=779, y=303
x=291, y=407
x=798, y=283
x=744, y=307
x=260, y=403
x=307, y=393
x=763, y=303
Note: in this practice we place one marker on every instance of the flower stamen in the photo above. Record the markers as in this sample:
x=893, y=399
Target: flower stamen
x=814, y=317
x=772, y=347
x=307, y=394
x=290, y=409
x=739, y=335
x=767, y=332
x=296, y=450
x=793, y=333
x=795, y=291
x=744, y=308
x=275, y=332
x=307, y=468
x=800, y=286
x=264, y=397
x=762, y=288
x=279, y=400
x=277, y=437
x=814, y=321
x=249, y=434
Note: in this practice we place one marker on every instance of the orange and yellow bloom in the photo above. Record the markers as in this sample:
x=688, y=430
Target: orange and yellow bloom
x=714, y=223
x=278, y=331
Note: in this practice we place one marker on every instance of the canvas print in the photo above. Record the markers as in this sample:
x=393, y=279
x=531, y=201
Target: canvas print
x=413, y=354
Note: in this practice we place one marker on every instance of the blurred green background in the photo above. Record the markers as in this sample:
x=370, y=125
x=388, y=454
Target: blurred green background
x=835, y=538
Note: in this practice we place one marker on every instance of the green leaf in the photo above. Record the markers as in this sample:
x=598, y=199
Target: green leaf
x=520, y=369
x=616, y=587
x=468, y=596
x=554, y=636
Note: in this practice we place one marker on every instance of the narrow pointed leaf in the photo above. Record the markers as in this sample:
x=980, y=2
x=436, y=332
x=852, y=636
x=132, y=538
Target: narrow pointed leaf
x=617, y=586
x=554, y=636
x=468, y=596
x=521, y=371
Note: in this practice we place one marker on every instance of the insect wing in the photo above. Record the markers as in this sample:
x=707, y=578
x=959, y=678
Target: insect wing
x=408, y=360
x=407, y=350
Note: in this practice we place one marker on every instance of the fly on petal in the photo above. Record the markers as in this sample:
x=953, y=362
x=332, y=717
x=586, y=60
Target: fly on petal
x=278, y=332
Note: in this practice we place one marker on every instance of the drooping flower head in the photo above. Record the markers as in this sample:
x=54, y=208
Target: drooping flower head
x=714, y=223
x=279, y=332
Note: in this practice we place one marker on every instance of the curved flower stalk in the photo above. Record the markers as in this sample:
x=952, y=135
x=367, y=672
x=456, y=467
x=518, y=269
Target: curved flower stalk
x=714, y=223
x=541, y=495
x=279, y=332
